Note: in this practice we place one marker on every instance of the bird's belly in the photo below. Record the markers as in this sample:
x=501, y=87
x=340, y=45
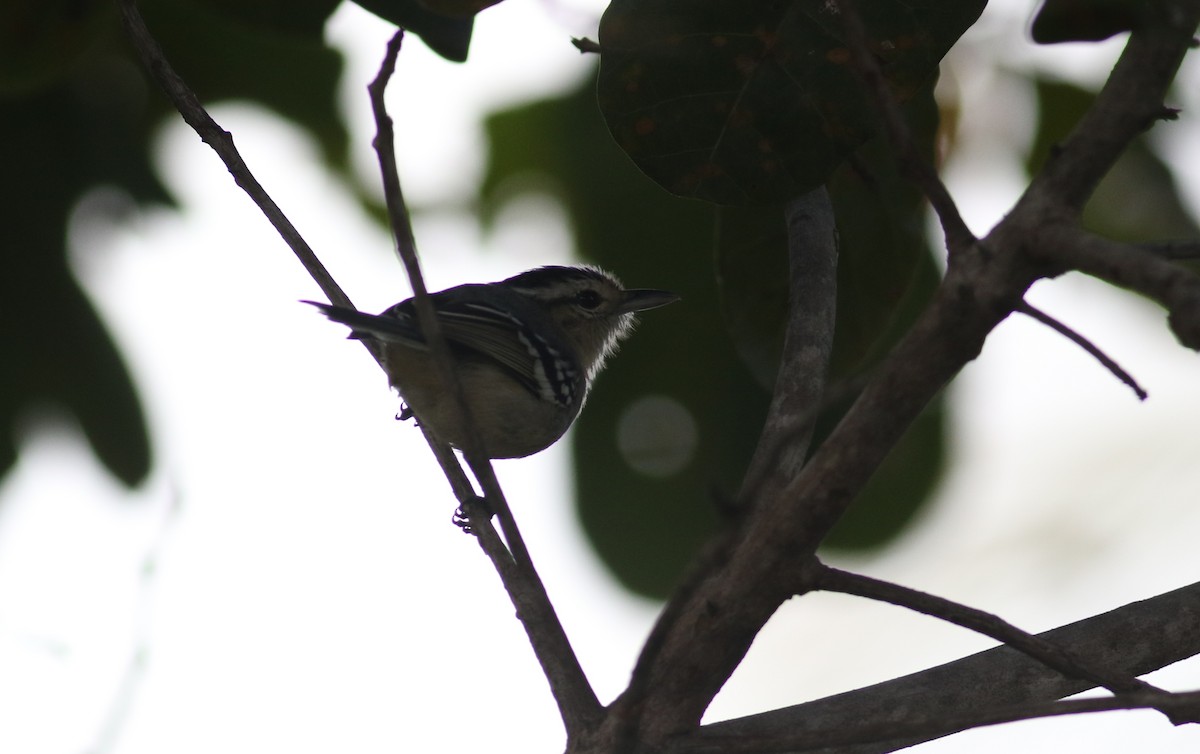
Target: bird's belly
x=511, y=421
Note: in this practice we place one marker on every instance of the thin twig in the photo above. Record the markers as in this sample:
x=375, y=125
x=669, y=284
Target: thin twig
x=576, y=700
x=1053, y=656
x=221, y=142
x=918, y=169
x=1033, y=312
x=402, y=232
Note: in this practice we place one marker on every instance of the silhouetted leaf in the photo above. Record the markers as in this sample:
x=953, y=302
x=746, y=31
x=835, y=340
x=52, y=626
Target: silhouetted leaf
x=294, y=75
x=302, y=17
x=447, y=36
x=88, y=123
x=41, y=40
x=458, y=8
x=1086, y=20
x=743, y=103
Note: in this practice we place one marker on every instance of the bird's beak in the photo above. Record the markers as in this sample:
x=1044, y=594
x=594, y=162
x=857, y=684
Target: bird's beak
x=641, y=299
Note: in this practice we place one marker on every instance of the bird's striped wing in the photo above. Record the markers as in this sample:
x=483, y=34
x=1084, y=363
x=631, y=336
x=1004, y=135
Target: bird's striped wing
x=478, y=329
x=538, y=365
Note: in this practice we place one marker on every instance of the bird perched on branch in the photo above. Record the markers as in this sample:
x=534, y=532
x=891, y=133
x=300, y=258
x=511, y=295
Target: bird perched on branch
x=526, y=350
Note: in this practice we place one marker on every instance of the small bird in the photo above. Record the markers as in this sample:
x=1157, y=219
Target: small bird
x=526, y=350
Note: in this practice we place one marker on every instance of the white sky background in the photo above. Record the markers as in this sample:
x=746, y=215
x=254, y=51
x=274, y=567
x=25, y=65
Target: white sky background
x=289, y=580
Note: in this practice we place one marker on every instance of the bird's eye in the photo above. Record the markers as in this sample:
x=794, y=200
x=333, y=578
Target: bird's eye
x=588, y=299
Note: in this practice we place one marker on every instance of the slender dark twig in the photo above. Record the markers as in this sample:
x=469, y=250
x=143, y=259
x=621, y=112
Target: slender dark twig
x=1052, y=655
x=1033, y=312
x=576, y=700
x=918, y=169
x=384, y=144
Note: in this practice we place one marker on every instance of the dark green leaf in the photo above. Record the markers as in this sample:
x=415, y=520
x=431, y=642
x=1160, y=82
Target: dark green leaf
x=294, y=75
x=88, y=125
x=42, y=40
x=447, y=36
x=748, y=103
x=1086, y=20
x=302, y=17
x=899, y=490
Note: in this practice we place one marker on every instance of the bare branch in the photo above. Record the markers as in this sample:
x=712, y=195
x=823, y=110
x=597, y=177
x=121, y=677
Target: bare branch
x=576, y=700
x=912, y=163
x=1030, y=311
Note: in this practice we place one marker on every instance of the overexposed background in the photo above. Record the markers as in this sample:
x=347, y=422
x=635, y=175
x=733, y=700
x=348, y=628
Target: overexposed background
x=289, y=580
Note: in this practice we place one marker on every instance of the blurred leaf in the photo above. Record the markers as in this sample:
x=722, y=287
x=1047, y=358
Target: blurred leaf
x=1139, y=199
x=40, y=40
x=752, y=277
x=886, y=275
x=747, y=103
x=669, y=428
x=1086, y=20
x=68, y=358
x=899, y=490
x=447, y=36
x=88, y=125
x=294, y=75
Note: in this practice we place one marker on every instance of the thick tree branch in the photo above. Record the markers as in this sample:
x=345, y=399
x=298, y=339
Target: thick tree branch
x=992, y=686
x=1152, y=275
x=770, y=558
